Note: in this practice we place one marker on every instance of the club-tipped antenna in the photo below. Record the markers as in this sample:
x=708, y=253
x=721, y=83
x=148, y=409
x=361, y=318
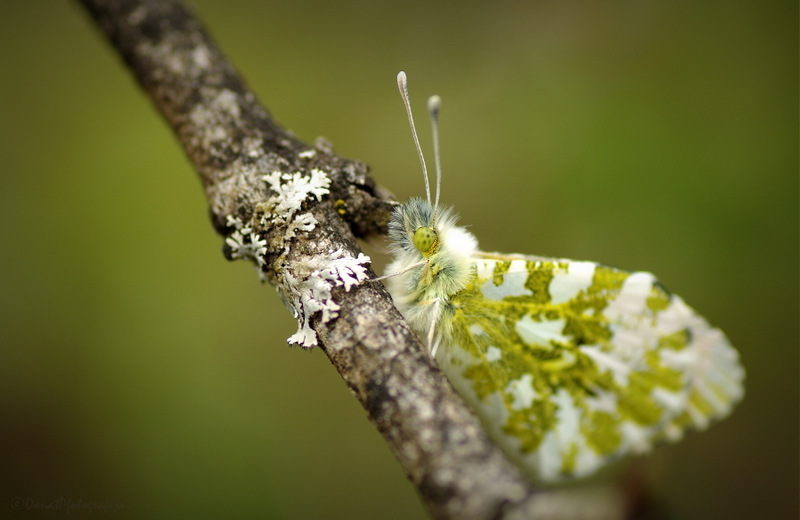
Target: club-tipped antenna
x=402, y=84
x=434, y=103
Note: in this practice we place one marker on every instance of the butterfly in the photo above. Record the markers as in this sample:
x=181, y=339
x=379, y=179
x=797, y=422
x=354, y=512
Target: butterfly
x=568, y=364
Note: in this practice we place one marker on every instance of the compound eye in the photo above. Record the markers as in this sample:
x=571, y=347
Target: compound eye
x=426, y=240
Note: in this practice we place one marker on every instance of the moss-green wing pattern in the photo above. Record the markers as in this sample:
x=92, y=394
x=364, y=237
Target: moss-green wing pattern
x=571, y=364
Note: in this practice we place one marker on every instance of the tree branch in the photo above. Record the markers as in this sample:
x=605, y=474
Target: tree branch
x=234, y=143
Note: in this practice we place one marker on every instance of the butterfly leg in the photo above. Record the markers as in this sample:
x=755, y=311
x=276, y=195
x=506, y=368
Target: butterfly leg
x=391, y=275
x=436, y=346
x=436, y=313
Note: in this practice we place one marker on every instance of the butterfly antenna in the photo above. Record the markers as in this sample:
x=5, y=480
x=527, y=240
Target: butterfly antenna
x=402, y=84
x=434, y=103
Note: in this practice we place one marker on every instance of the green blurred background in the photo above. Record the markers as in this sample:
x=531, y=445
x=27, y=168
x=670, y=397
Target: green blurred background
x=139, y=369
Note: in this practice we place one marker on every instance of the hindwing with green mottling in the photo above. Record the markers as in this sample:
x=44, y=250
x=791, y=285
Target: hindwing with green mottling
x=571, y=364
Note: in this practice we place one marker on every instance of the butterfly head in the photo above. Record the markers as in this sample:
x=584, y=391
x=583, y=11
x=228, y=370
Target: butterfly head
x=426, y=240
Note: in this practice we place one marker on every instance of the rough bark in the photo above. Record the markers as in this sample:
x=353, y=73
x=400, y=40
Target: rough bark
x=233, y=143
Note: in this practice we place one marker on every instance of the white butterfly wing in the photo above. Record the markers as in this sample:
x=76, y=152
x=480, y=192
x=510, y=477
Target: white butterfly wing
x=571, y=364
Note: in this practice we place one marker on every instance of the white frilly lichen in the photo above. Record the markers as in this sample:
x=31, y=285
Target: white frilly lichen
x=306, y=288
x=245, y=243
x=311, y=285
x=292, y=189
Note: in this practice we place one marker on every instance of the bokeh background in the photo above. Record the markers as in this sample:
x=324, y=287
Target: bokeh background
x=141, y=372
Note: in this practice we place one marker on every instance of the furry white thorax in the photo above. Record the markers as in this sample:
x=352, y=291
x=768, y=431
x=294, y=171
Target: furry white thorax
x=443, y=273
